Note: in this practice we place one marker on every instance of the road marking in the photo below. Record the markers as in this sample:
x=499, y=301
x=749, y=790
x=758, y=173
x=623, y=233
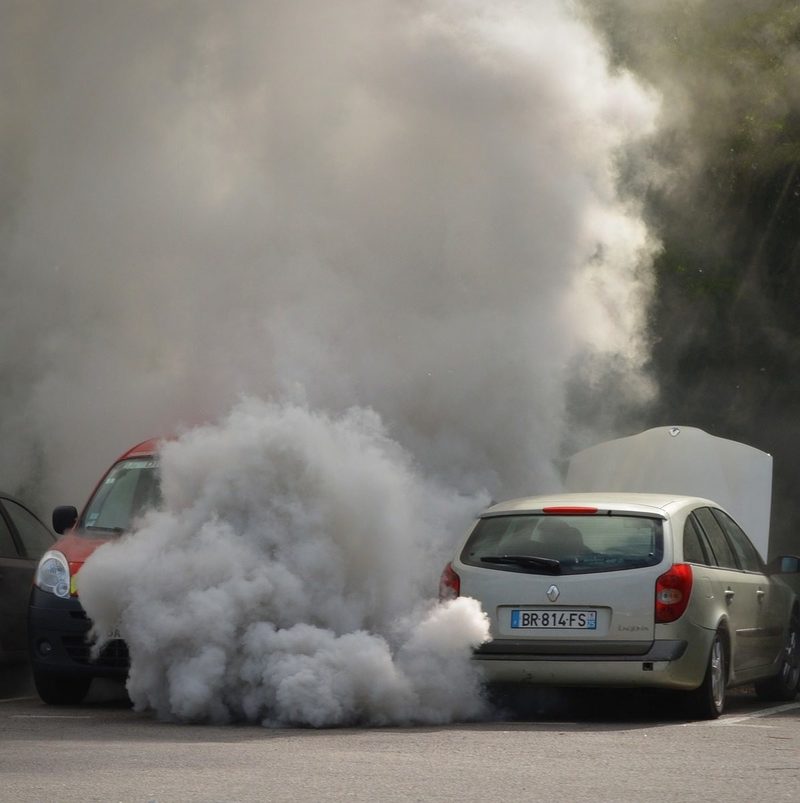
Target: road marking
x=16, y=699
x=764, y=712
x=51, y=716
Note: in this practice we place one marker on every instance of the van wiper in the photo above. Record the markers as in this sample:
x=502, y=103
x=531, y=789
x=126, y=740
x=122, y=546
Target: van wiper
x=547, y=565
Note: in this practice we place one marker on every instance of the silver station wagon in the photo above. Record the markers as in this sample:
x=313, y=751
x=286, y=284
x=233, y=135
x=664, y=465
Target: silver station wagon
x=629, y=590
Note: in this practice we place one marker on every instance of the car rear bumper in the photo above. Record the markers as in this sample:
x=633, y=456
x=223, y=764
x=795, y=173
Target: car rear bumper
x=57, y=633
x=665, y=663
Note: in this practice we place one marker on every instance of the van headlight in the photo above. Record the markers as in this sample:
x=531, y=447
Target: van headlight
x=52, y=574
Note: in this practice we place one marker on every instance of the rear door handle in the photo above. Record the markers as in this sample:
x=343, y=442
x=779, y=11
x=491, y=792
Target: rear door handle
x=760, y=593
x=729, y=594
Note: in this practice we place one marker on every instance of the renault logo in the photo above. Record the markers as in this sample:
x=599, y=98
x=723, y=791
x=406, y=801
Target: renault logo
x=553, y=593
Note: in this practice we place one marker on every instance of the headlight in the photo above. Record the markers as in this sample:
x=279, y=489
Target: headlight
x=52, y=574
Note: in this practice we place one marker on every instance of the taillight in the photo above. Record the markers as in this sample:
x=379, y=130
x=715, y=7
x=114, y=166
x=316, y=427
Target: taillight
x=570, y=510
x=449, y=584
x=673, y=589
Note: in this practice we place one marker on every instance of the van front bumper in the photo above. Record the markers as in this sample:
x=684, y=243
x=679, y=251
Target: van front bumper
x=58, y=631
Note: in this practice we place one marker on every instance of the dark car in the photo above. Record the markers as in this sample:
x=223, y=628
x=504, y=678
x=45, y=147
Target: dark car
x=23, y=540
x=61, y=659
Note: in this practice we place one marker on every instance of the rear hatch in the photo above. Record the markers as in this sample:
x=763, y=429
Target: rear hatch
x=577, y=580
x=684, y=461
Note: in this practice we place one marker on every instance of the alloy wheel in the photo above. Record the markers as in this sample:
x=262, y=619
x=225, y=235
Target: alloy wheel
x=717, y=674
x=791, y=659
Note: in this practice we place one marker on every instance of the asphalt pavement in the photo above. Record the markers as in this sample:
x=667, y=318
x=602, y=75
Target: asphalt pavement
x=561, y=746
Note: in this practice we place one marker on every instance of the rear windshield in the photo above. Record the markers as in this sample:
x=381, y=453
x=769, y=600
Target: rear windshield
x=545, y=544
x=130, y=488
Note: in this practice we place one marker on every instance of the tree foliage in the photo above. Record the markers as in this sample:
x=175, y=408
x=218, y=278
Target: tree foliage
x=722, y=189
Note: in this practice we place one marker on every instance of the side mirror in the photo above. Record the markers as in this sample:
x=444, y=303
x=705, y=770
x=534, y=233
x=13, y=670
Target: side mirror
x=786, y=564
x=64, y=518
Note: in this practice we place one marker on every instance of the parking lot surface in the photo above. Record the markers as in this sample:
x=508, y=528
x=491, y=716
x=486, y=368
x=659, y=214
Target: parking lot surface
x=566, y=746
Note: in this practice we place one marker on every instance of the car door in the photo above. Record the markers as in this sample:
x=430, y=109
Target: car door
x=16, y=573
x=33, y=536
x=23, y=540
x=772, y=612
x=739, y=589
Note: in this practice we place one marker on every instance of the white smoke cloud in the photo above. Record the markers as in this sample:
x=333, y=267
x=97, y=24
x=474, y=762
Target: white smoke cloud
x=411, y=207
x=404, y=207
x=288, y=579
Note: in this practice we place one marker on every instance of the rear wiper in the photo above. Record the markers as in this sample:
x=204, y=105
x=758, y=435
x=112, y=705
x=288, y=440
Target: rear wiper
x=548, y=565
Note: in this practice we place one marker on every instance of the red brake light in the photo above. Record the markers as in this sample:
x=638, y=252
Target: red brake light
x=449, y=584
x=569, y=511
x=673, y=589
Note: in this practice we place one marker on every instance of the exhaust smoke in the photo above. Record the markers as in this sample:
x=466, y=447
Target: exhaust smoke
x=410, y=209
x=288, y=577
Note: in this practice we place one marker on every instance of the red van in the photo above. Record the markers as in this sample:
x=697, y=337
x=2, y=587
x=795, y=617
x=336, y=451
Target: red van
x=57, y=624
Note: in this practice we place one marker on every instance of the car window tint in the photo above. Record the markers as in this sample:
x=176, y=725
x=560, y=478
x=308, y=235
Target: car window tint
x=36, y=538
x=746, y=553
x=719, y=544
x=693, y=549
x=704, y=542
x=8, y=548
x=576, y=544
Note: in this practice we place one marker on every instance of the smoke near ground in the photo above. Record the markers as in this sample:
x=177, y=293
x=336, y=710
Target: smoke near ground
x=404, y=208
x=288, y=579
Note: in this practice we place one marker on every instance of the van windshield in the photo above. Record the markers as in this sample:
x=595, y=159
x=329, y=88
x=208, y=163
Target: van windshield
x=546, y=544
x=130, y=488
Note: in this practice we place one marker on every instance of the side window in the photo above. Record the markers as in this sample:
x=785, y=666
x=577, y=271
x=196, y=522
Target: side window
x=36, y=538
x=749, y=558
x=693, y=549
x=719, y=544
x=8, y=549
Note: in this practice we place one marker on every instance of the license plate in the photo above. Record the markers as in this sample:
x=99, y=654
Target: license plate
x=548, y=619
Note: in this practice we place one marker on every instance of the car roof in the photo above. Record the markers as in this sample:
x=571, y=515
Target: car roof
x=4, y=495
x=661, y=504
x=10, y=498
x=148, y=447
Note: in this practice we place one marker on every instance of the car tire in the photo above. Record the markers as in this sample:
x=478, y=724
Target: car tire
x=784, y=685
x=708, y=700
x=61, y=689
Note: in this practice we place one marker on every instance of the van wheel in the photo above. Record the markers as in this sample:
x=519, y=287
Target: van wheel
x=707, y=701
x=61, y=689
x=784, y=685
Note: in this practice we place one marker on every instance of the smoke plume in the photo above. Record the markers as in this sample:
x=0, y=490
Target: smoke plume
x=411, y=207
x=407, y=208
x=288, y=577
